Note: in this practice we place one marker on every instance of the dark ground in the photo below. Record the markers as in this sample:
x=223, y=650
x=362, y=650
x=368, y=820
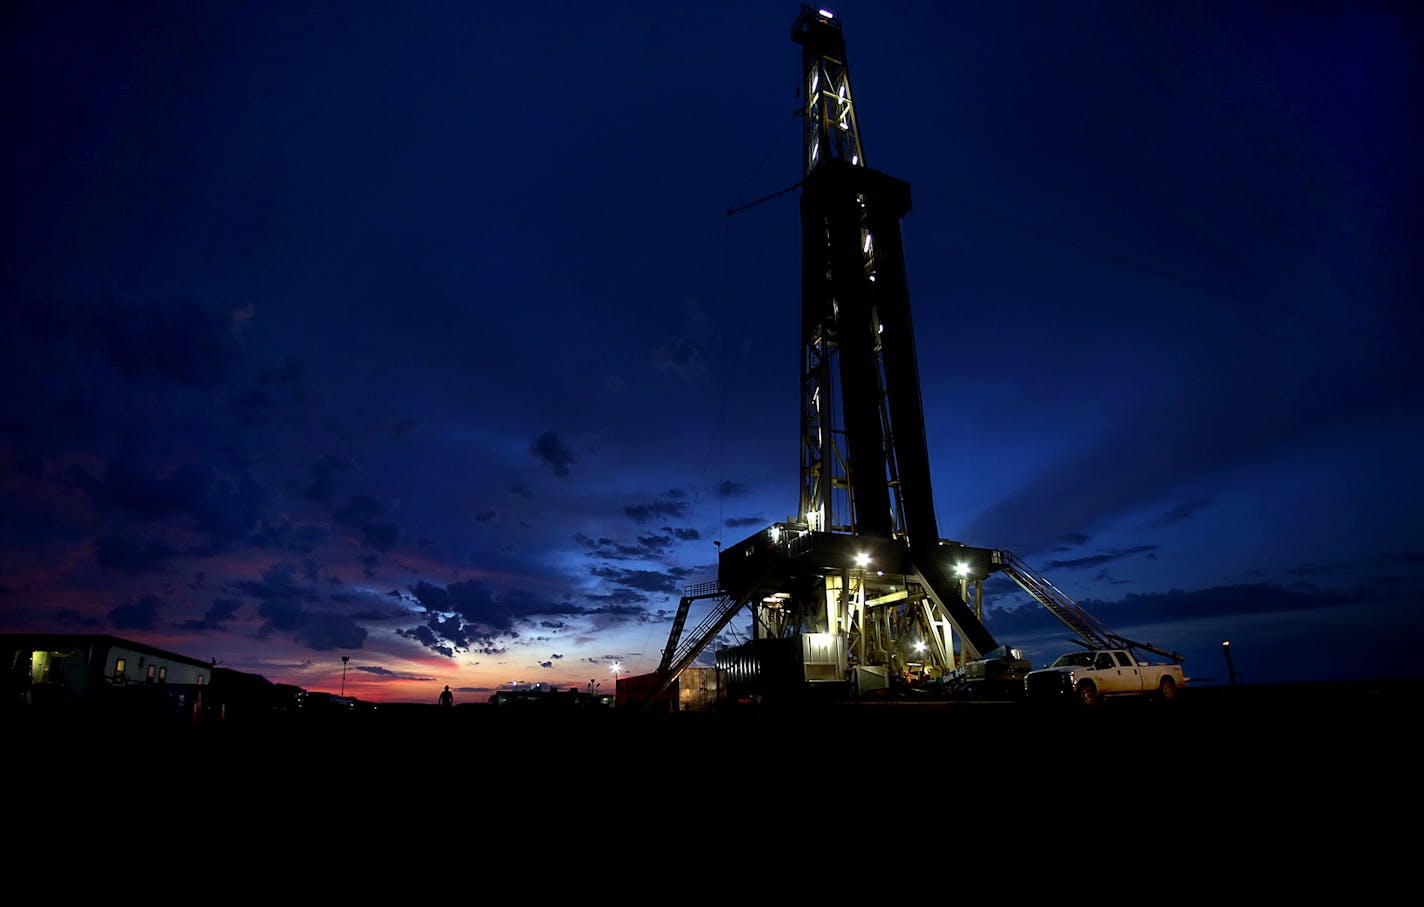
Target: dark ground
x=1209, y=730
x=1220, y=764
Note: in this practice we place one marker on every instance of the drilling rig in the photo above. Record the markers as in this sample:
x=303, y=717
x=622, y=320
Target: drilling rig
x=857, y=592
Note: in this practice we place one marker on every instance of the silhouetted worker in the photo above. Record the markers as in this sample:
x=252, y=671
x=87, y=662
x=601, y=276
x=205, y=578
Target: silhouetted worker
x=447, y=697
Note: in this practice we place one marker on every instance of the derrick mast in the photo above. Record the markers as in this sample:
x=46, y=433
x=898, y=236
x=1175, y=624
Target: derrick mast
x=857, y=590
x=864, y=457
x=857, y=585
x=864, y=461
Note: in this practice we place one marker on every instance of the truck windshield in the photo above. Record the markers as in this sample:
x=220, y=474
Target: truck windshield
x=1074, y=660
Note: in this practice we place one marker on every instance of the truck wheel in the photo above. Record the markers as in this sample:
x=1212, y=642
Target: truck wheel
x=1087, y=694
x=1169, y=690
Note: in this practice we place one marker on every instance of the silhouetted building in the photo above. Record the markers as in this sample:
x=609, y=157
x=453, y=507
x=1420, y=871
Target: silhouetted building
x=100, y=673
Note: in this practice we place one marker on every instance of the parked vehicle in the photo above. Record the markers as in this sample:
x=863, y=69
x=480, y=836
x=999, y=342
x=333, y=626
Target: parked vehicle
x=1088, y=676
x=998, y=675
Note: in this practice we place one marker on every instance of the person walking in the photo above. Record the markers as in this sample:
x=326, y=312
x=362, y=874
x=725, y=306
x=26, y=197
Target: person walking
x=447, y=698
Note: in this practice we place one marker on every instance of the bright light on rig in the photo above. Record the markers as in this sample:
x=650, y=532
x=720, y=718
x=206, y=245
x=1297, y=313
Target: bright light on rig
x=961, y=569
x=862, y=559
x=826, y=13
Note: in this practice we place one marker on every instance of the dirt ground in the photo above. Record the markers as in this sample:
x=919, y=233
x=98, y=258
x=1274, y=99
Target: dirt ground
x=1301, y=785
x=1284, y=755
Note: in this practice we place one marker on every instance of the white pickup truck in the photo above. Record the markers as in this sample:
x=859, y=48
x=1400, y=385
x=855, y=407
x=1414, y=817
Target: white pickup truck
x=1092, y=674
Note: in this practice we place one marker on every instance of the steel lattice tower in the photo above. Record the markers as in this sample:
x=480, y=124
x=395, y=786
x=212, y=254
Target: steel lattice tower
x=858, y=585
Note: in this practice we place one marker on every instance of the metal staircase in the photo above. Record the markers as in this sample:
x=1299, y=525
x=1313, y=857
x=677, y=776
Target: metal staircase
x=678, y=656
x=1092, y=632
x=678, y=652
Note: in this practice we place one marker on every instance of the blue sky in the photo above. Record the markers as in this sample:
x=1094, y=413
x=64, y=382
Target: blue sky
x=424, y=336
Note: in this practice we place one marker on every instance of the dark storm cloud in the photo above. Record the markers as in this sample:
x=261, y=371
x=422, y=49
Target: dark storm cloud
x=381, y=535
x=253, y=407
x=139, y=615
x=428, y=638
x=278, y=583
x=643, y=548
x=1155, y=448
x=284, y=535
x=319, y=631
x=670, y=503
x=387, y=674
x=280, y=615
x=553, y=453
x=326, y=632
x=1185, y=511
x=371, y=615
x=276, y=392
x=731, y=489
x=1414, y=558
x=224, y=506
x=1178, y=606
x=472, y=615
x=133, y=553
x=324, y=472
x=656, y=545
x=218, y=614
x=1095, y=560
x=361, y=509
x=1388, y=559
x=133, y=485
x=185, y=342
x=610, y=601
x=67, y=619
x=283, y=605
x=742, y=522
x=618, y=609
x=641, y=580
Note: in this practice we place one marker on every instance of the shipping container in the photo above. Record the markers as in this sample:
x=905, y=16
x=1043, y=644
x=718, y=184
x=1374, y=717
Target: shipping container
x=697, y=689
x=785, y=667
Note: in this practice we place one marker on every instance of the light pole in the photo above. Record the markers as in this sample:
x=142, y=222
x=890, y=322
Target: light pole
x=344, y=660
x=1230, y=671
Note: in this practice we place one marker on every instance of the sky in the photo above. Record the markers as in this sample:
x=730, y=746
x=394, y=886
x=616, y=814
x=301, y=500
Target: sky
x=422, y=334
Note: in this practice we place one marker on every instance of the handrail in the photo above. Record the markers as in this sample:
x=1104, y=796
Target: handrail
x=1091, y=632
